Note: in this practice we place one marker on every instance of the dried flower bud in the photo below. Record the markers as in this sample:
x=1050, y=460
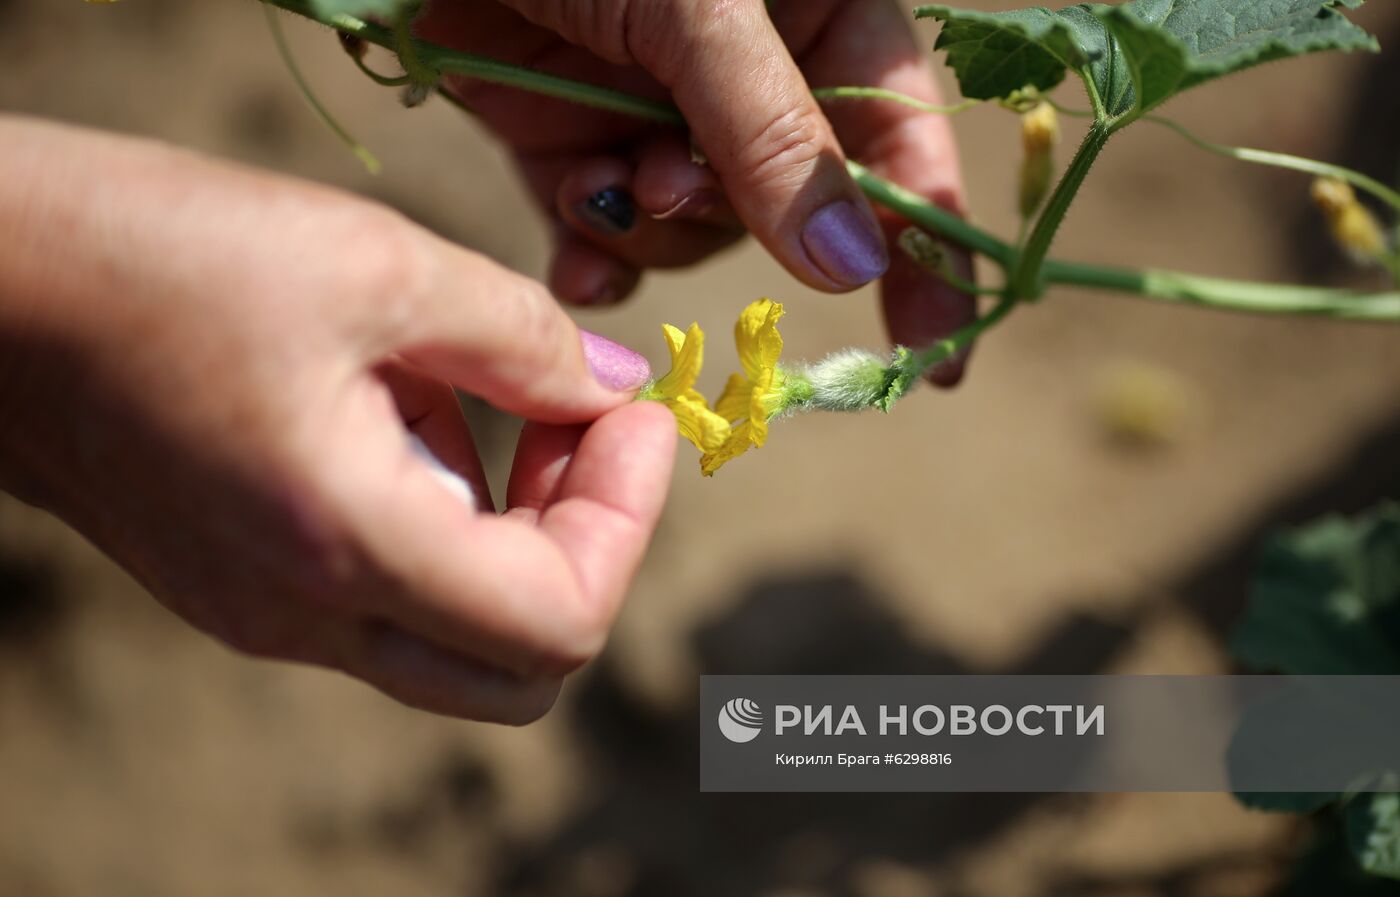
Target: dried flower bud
x=1040, y=131
x=415, y=95
x=1353, y=226
x=926, y=252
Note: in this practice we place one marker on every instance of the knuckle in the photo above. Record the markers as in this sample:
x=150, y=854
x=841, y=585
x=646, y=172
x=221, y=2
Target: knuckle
x=672, y=39
x=388, y=255
x=787, y=147
x=385, y=261
x=543, y=329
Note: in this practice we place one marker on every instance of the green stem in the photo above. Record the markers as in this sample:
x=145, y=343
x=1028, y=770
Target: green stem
x=483, y=68
x=1025, y=279
x=1161, y=285
x=381, y=80
x=958, y=340
x=1284, y=160
x=929, y=216
x=414, y=67
x=367, y=158
x=893, y=96
x=1229, y=295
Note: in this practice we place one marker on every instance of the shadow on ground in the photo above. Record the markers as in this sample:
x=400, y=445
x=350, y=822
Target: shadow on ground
x=647, y=832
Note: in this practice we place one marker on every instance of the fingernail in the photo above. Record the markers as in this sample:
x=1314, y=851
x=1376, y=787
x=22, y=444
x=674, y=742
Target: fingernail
x=691, y=205
x=847, y=247
x=608, y=211
x=613, y=364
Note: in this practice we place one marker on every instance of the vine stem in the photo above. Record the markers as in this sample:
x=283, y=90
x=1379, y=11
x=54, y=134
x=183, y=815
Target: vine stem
x=1284, y=160
x=367, y=158
x=950, y=345
x=443, y=61
x=1229, y=295
x=1168, y=286
x=827, y=94
x=931, y=217
x=1025, y=277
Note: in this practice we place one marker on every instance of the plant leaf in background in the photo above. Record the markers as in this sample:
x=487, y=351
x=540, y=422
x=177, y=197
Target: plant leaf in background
x=1373, y=830
x=1326, y=599
x=1139, y=54
x=1328, y=869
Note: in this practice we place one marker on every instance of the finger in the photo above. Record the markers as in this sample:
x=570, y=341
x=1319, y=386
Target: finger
x=542, y=458
x=583, y=274
x=671, y=184
x=607, y=503
x=424, y=676
x=430, y=411
x=500, y=590
x=753, y=116
x=909, y=147
x=500, y=336
x=596, y=199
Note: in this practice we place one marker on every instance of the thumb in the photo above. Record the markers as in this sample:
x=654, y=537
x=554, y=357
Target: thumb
x=753, y=115
x=500, y=336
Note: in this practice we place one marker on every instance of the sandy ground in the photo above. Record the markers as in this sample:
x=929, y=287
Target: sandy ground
x=997, y=528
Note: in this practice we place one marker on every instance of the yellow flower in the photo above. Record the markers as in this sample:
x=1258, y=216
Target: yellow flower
x=696, y=422
x=1353, y=226
x=751, y=398
x=1040, y=131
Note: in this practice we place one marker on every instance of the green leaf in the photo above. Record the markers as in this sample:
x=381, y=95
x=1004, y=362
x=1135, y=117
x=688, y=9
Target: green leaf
x=1139, y=54
x=359, y=9
x=995, y=54
x=1175, y=45
x=1373, y=831
x=1328, y=869
x=1326, y=599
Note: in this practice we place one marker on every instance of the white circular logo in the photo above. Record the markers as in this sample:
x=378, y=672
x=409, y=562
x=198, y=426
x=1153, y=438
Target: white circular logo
x=740, y=720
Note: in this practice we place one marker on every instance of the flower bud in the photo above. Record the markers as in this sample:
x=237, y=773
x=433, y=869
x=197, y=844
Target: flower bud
x=925, y=251
x=1353, y=226
x=1040, y=131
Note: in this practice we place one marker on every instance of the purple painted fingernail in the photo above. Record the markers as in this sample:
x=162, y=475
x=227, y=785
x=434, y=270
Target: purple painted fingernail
x=614, y=365
x=845, y=245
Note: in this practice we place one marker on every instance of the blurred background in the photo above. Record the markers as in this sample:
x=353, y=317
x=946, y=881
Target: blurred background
x=1088, y=501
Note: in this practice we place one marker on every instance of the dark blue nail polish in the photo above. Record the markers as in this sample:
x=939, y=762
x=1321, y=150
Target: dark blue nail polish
x=610, y=211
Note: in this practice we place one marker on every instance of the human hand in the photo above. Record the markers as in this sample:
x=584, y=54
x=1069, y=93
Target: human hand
x=213, y=375
x=627, y=195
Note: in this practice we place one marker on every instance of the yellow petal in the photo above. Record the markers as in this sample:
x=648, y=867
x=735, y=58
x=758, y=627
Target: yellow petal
x=687, y=357
x=706, y=430
x=757, y=338
x=738, y=442
x=766, y=394
x=734, y=403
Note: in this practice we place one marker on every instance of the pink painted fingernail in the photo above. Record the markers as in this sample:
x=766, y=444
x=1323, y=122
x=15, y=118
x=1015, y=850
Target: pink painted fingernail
x=613, y=364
